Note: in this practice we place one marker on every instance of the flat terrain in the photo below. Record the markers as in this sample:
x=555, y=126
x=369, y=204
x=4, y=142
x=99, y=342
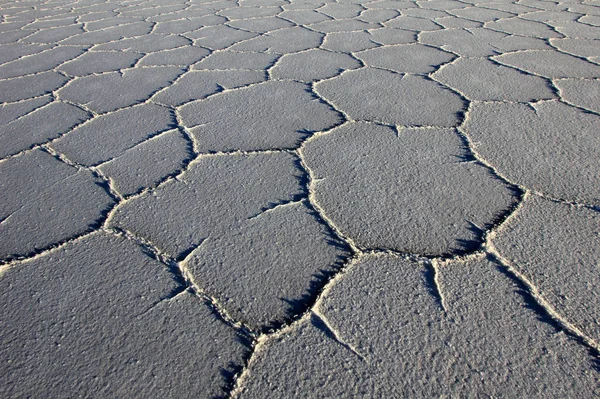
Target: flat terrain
x=299, y=199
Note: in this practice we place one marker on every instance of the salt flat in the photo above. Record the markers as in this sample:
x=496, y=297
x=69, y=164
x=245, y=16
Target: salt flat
x=300, y=198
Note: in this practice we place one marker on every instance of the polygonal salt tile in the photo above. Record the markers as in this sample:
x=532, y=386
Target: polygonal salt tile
x=11, y=112
x=39, y=126
x=13, y=51
x=381, y=331
x=480, y=14
x=215, y=194
x=303, y=5
x=583, y=8
x=133, y=86
x=550, y=64
x=461, y=41
x=413, y=23
x=589, y=19
x=455, y=22
x=265, y=269
x=45, y=202
x=53, y=35
x=518, y=26
x=270, y=115
x=218, y=5
x=21, y=88
x=108, y=136
x=579, y=30
x=343, y=25
x=557, y=247
x=290, y=40
x=144, y=12
x=111, y=22
x=580, y=47
x=341, y=11
x=514, y=43
x=545, y=5
x=409, y=190
x=407, y=100
x=146, y=164
x=187, y=25
x=393, y=36
x=196, y=85
x=225, y=60
x=261, y=25
x=304, y=17
x=12, y=11
x=410, y=58
x=51, y=23
x=94, y=62
x=262, y=3
x=110, y=34
x=543, y=16
x=11, y=26
x=13, y=36
x=549, y=147
x=378, y=16
x=348, y=41
x=243, y=12
x=424, y=13
x=489, y=81
x=311, y=65
x=255, y=3
x=441, y=4
x=145, y=44
x=391, y=4
x=185, y=56
x=98, y=315
x=219, y=37
x=190, y=13
x=581, y=92
x=520, y=7
x=92, y=15
x=41, y=62
x=479, y=42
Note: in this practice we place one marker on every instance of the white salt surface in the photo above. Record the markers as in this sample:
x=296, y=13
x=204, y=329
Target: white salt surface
x=292, y=198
